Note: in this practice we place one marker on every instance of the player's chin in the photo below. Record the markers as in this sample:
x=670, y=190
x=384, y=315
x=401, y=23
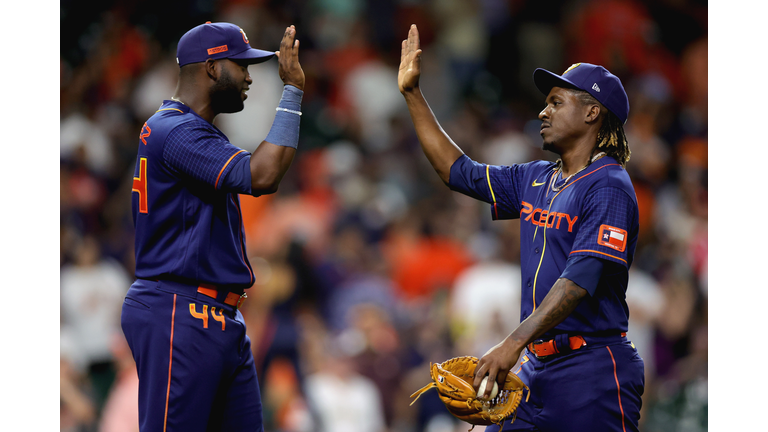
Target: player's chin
x=548, y=145
x=229, y=101
x=233, y=106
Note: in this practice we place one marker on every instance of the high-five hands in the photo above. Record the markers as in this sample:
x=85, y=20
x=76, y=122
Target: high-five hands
x=410, y=61
x=288, y=60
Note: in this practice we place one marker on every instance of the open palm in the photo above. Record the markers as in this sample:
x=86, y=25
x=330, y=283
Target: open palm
x=410, y=61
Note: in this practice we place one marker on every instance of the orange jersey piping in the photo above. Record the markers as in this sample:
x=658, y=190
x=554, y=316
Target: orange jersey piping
x=216, y=185
x=589, y=173
x=603, y=253
x=618, y=388
x=170, y=363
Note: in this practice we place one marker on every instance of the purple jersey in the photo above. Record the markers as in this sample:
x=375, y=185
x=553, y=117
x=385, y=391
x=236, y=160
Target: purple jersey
x=585, y=230
x=185, y=205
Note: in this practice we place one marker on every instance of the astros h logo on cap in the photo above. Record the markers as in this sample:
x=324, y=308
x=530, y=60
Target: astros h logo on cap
x=218, y=41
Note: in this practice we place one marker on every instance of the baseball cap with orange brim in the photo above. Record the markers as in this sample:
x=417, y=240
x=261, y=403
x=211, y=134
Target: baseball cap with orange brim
x=218, y=41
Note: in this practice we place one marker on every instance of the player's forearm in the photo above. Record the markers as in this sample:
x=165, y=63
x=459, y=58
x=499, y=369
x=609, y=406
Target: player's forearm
x=272, y=159
x=558, y=304
x=440, y=150
x=269, y=163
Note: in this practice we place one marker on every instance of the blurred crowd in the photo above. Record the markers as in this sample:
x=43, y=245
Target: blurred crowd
x=369, y=268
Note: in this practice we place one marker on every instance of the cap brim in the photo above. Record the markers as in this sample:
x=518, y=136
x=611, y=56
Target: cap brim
x=545, y=80
x=253, y=55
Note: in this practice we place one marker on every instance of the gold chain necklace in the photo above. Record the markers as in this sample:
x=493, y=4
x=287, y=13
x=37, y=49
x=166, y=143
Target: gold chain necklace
x=179, y=101
x=559, y=169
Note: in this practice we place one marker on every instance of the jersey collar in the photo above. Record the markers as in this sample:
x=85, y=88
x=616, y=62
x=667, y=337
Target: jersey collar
x=605, y=160
x=167, y=103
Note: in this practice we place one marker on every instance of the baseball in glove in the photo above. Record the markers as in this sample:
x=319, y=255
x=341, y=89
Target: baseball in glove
x=453, y=381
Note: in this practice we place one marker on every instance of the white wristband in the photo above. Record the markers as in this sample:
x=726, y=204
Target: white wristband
x=288, y=110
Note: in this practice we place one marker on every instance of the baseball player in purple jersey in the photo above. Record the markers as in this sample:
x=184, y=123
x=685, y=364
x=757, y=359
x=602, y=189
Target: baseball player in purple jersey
x=180, y=316
x=578, y=232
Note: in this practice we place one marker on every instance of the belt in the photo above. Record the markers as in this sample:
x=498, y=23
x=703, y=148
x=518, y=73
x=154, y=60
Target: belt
x=559, y=345
x=232, y=299
x=225, y=296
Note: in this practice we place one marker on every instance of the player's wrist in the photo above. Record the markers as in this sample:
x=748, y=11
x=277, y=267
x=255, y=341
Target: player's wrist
x=293, y=92
x=513, y=346
x=285, y=128
x=413, y=95
x=411, y=90
x=291, y=98
x=294, y=84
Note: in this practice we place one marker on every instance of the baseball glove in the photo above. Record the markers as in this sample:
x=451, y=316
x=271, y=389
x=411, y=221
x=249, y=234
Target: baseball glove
x=453, y=381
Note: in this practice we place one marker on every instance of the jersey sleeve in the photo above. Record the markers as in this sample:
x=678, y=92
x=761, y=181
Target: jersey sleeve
x=238, y=180
x=497, y=185
x=607, y=225
x=584, y=271
x=196, y=150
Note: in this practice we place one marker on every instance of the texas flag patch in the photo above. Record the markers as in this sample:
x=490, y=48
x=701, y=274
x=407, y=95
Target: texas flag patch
x=612, y=237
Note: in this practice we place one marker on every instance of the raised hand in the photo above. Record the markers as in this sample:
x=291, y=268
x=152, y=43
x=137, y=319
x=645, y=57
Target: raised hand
x=410, y=61
x=288, y=60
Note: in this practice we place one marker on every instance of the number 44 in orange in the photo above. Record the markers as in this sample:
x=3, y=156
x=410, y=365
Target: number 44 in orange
x=204, y=315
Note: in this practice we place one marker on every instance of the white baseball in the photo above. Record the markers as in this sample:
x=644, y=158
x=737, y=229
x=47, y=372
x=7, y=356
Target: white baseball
x=481, y=390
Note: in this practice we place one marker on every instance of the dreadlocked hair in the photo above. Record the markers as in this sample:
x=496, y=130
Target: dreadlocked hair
x=610, y=138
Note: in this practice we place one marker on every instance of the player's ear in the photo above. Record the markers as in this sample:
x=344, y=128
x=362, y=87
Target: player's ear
x=593, y=113
x=212, y=69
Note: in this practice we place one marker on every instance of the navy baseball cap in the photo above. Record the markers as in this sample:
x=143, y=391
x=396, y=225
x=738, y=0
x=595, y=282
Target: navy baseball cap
x=593, y=79
x=217, y=41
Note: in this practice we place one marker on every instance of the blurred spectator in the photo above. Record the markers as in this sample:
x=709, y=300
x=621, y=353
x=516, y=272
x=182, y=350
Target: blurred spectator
x=462, y=36
x=77, y=410
x=82, y=203
x=368, y=82
x=92, y=291
x=422, y=265
x=85, y=140
x=284, y=406
x=160, y=80
x=485, y=302
x=618, y=34
x=269, y=313
x=651, y=155
x=374, y=344
x=121, y=411
x=355, y=274
x=645, y=301
x=694, y=63
x=306, y=217
x=344, y=400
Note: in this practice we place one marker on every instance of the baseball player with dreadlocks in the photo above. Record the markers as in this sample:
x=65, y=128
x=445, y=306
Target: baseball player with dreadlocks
x=578, y=232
